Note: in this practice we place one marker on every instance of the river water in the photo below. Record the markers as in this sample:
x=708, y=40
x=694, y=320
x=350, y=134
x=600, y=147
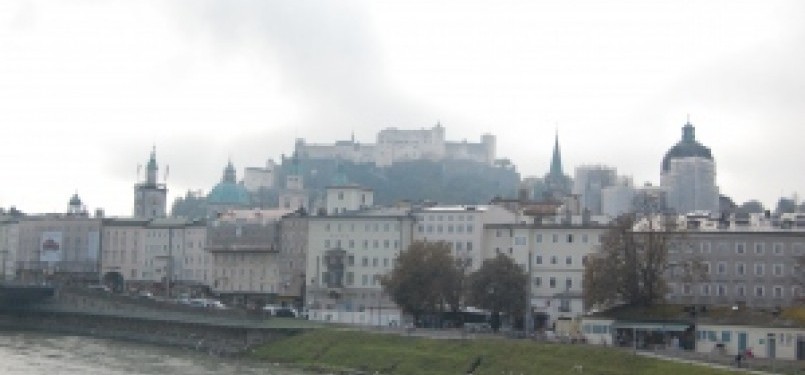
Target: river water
x=29, y=353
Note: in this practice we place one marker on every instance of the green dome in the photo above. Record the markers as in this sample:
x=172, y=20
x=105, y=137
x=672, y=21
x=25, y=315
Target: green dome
x=687, y=147
x=228, y=193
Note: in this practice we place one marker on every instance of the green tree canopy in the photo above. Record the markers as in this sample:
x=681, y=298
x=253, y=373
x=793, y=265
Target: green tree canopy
x=498, y=286
x=425, y=279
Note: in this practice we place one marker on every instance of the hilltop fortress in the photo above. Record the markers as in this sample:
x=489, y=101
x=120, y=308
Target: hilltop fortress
x=395, y=145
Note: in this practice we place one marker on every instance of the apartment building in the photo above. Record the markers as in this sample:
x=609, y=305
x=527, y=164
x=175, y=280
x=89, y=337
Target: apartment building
x=347, y=255
x=245, y=250
x=161, y=254
x=747, y=260
x=460, y=226
x=554, y=255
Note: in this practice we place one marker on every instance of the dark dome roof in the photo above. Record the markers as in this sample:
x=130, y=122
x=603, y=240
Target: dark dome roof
x=75, y=200
x=687, y=147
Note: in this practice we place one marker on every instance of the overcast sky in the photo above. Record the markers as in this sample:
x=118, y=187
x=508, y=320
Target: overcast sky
x=88, y=87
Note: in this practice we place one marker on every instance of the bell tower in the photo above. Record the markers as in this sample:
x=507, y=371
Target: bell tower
x=150, y=196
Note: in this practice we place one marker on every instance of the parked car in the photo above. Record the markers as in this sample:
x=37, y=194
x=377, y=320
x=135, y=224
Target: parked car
x=280, y=311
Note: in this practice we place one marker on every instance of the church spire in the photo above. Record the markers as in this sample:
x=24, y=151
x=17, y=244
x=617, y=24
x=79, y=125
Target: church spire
x=151, y=168
x=556, y=160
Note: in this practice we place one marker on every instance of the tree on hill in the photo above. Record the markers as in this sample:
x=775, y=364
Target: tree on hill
x=425, y=280
x=499, y=286
x=631, y=264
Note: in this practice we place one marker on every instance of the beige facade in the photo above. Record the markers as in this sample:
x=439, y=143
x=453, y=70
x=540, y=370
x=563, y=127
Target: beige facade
x=557, y=254
x=347, y=255
x=167, y=252
x=462, y=227
x=58, y=246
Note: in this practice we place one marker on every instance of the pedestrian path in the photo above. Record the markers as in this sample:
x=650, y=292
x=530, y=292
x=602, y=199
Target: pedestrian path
x=702, y=363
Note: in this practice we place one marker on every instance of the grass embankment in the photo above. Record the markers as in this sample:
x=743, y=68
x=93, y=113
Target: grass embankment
x=337, y=351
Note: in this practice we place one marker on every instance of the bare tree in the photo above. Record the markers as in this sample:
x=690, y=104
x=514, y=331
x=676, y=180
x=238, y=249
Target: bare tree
x=631, y=264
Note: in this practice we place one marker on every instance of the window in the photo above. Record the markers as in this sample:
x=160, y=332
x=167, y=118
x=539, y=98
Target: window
x=721, y=290
x=569, y=260
x=469, y=228
x=555, y=238
x=553, y=259
x=740, y=248
x=706, y=266
x=351, y=260
x=365, y=261
x=705, y=247
x=568, y=283
x=726, y=336
x=364, y=280
x=779, y=270
x=350, y=278
x=539, y=238
x=585, y=238
x=759, y=291
x=469, y=246
x=374, y=262
x=760, y=248
x=740, y=269
x=326, y=244
x=552, y=282
x=569, y=238
x=778, y=249
x=537, y=282
x=538, y=259
x=706, y=290
x=740, y=291
x=520, y=241
x=721, y=268
x=778, y=292
x=759, y=268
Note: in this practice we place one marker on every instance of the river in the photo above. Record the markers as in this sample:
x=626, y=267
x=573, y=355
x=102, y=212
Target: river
x=33, y=353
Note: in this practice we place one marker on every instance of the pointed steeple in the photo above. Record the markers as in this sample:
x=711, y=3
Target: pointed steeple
x=556, y=160
x=229, y=173
x=151, y=168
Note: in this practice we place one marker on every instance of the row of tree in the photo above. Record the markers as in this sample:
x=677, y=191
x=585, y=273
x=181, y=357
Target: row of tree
x=629, y=268
x=427, y=281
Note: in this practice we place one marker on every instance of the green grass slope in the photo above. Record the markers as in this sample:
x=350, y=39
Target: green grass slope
x=340, y=351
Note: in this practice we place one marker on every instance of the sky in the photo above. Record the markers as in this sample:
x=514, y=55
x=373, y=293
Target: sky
x=88, y=87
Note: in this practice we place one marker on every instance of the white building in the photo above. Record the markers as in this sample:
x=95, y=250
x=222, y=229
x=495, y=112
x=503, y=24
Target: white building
x=157, y=254
x=462, y=227
x=343, y=199
x=557, y=254
x=589, y=183
x=256, y=178
x=347, y=255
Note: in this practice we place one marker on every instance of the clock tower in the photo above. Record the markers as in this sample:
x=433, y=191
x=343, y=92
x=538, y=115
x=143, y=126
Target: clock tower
x=150, y=196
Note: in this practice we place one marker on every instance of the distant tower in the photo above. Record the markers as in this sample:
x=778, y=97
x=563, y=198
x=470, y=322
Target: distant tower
x=75, y=207
x=557, y=183
x=150, y=197
x=294, y=196
x=688, y=175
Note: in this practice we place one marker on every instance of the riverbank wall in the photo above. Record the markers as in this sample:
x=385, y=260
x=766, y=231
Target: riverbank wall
x=219, y=339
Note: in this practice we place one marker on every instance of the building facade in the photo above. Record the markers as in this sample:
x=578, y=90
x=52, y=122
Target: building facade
x=751, y=261
x=554, y=257
x=347, y=256
x=462, y=227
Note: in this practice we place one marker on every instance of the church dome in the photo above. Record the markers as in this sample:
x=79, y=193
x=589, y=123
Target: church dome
x=75, y=200
x=687, y=147
x=228, y=191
